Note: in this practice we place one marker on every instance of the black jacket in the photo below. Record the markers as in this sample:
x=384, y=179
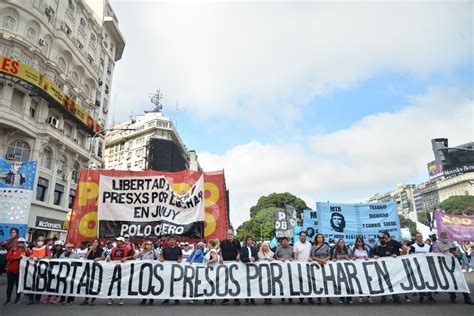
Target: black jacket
x=244, y=254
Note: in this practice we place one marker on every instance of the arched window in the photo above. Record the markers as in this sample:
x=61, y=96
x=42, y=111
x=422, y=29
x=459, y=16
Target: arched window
x=9, y=23
x=62, y=64
x=31, y=34
x=87, y=90
x=62, y=163
x=75, y=77
x=45, y=48
x=75, y=172
x=47, y=158
x=20, y=150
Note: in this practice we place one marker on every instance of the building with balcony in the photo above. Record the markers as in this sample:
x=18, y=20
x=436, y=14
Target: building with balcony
x=403, y=196
x=150, y=141
x=56, y=65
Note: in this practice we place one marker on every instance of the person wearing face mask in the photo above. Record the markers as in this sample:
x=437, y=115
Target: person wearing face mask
x=448, y=248
x=39, y=251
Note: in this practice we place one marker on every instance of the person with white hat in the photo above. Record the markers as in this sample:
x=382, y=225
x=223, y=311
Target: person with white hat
x=120, y=253
x=187, y=251
x=14, y=256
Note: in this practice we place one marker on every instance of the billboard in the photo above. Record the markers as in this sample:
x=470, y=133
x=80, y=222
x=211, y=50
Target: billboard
x=16, y=190
x=39, y=80
x=83, y=220
x=435, y=170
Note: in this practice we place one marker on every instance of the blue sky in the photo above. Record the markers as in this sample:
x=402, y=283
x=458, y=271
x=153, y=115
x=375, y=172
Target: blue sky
x=328, y=101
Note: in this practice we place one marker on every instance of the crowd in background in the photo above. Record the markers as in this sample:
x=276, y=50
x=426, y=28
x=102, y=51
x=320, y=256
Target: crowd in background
x=216, y=252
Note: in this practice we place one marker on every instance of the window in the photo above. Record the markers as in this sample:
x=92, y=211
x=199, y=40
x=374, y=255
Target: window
x=139, y=152
x=62, y=64
x=72, y=194
x=61, y=165
x=82, y=26
x=58, y=193
x=137, y=163
x=9, y=23
x=92, y=42
x=17, y=100
x=20, y=149
x=99, y=150
x=129, y=155
x=47, y=158
x=33, y=108
x=67, y=130
x=122, y=146
x=5, y=50
x=75, y=77
x=129, y=165
x=41, y=189
x=31, y=34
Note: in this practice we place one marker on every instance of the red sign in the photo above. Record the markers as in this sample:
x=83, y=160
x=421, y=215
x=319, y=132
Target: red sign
x=83, y=218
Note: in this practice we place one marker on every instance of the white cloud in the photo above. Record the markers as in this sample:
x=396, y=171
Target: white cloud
x=373, y=155
x=247, y=59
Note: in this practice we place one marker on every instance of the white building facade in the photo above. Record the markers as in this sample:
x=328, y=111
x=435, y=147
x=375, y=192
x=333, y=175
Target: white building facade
x=72, y=48
x=127, y=144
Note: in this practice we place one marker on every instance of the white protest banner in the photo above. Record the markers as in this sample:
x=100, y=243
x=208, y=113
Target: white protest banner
x=147, y=207
x=170, y=280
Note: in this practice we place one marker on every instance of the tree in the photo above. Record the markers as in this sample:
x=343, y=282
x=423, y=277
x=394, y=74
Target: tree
x=279, y=200
x=406, y=222
x=458, y=204
x=259, y=227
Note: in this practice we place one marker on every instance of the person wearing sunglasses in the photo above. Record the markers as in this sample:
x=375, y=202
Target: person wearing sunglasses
x=147, y=253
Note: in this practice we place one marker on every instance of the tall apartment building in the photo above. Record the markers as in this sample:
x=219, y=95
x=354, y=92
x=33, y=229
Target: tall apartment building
x=403, y=196
x=56, y=64
x=150, y=141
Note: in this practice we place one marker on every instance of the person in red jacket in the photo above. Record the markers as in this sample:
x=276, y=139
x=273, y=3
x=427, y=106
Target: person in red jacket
x=13, y=268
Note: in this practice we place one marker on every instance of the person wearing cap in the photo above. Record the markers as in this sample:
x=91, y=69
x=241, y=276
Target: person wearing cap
x=171, y=253
x=129, y=243
x=13, y=268
x=120, y=253
x=198, y=254
x=187, y=251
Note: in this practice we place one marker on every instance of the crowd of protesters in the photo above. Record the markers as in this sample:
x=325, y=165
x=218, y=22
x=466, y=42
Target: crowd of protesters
x=216, y=252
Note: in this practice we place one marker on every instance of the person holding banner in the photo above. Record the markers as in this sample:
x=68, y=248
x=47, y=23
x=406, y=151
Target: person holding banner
x=120, y=253
x=68, y=253
x=147, y=253
x=282, y=253
x=342, y=253
x=171, y=253
x=13, y=268
x=321, y=253
x=211, y=259
x=446, y=247
x=266, y=254
x=96, y=253
x=384, y=250
x=39, y=251
x=361, y=252
x=420, y=247
x=230, y=251
x=302, y=253
x=249, y=254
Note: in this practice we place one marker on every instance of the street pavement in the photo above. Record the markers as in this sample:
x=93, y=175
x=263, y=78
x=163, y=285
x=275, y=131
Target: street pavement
x=132, y=307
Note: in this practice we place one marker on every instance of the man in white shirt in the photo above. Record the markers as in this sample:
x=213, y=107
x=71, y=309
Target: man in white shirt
x=302, y=253
x=302, y=249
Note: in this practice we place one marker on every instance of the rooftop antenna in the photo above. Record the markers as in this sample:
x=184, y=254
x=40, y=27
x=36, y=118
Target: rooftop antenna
x=156, y=99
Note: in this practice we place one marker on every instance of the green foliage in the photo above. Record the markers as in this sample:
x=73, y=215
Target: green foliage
x=261, y=224
x=279, y=200
x=458, y=204
x=422, y=218
x=406, y=222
